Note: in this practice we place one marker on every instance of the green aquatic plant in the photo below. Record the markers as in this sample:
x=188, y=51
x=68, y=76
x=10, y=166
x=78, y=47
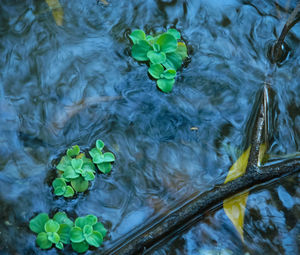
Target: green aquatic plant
x=87, y=231
x=164, y=52
x=102, y=160
x=75, y=171
x=51, y=231
x=61, y=230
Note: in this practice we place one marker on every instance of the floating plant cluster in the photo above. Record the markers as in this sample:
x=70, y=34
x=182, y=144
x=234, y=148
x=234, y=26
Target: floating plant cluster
x=164, y=53
x=61, y=230
x=75, y=170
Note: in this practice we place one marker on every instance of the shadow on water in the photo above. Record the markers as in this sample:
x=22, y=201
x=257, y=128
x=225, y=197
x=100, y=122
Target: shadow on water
x=73, y=84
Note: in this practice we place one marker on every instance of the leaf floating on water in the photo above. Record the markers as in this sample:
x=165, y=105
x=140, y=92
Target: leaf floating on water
x=234, y=207
x=239, y=167
x=57, y=11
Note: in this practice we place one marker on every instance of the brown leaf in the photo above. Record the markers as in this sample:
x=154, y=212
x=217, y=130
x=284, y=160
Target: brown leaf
x=57, y=11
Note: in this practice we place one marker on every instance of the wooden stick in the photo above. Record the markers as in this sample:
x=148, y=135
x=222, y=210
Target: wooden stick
x=184, y=216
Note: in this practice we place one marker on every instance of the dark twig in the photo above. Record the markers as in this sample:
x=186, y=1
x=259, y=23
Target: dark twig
x=257, y=137
x=277, y=50
x=177, y=220
x=187, y=214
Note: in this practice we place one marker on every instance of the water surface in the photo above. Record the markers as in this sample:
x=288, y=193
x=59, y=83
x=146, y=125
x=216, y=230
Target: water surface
x=75, y=83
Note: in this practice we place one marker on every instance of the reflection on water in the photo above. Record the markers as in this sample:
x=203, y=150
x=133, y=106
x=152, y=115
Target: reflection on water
x=48, y=71
x=271, y=226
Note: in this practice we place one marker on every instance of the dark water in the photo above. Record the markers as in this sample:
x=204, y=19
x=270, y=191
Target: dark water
x=73, y=84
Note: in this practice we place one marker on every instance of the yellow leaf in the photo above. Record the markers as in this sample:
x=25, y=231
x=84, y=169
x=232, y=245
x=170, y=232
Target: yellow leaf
x=104, y=2
x=239, y=167
x=234, y=207
x=57, y=11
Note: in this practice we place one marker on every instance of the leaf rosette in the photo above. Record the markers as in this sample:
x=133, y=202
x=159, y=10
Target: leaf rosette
x=75, y=172
x=51, y=231
x=164, y=52
x=87, y=231
x=102, y=160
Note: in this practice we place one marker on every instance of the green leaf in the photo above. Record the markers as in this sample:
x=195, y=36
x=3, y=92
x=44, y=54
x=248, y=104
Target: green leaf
x=51, y=226
x=104, y=167
x=78, y=171
x=70, y=173
x=53, y=237
x=60, y=191
x=137, y=35
x=64, y=233
x=88, y=165
x=165, y=85
x=77, y=163
x=58, y=183
x=99, y=144
x=90, y=219
x=87, y=230
x=97, y=156
x=62, y=218
x=76, y=235
x=89, y=175
x=108, y=157
x=64, y=163
x=169, y=74
x=182, y=50
x=100, y=228
x=139, y=50
x=94, y=152
x=38, y=222
x=87, y=220
x=156, y=47
x=95, y=239
x=42, y=241
x=174, y=61
x=69, y=191
x=175, y=33
x=74, y=151
x=79, y=184
x=156, y=57
x=80, y=247
x=80, y=222
x=59, y=245
x=150, y=39
x=156, y=70
x=167, y=43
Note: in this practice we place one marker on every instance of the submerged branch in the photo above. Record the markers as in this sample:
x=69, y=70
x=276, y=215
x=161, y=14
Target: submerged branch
x=187, y=214
x=198, y=206
x=277, y=50
x=257, y=137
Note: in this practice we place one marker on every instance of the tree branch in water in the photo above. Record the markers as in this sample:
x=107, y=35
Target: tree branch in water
x=183, y=217
x=277, y=51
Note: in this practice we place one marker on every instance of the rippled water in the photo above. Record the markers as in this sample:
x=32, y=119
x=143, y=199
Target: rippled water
x=73, y=84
